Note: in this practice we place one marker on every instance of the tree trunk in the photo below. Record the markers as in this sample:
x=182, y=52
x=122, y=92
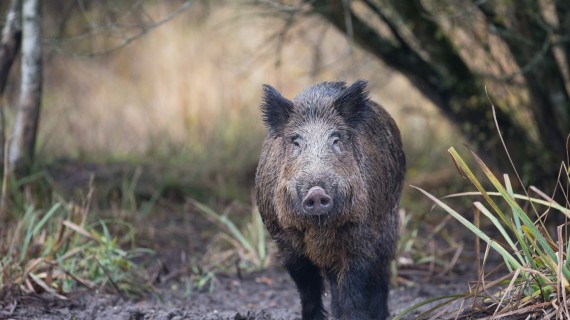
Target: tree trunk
x=437, y=69
x=23, y=142
x=543, y=75
x=9, y=46
x=10, y=43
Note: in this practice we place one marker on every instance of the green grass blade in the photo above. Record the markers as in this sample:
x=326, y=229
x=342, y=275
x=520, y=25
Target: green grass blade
x=106, y=233
x=516, y=218
x=15, y=244
x=30, y=178
x=512, y=203
x=260, y=231
x=46, y=217
x=227, y=223
x=502, y=230
x=450, y=299
x=524, y=217
x=495, y=245
x=28, y=237
x=462, y=165
x=545, y=203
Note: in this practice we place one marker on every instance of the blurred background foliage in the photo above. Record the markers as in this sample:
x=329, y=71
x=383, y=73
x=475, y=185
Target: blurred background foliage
x=188, y=92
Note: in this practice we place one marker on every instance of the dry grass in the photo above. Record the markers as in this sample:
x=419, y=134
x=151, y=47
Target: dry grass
x=57, y=250
x=534, y=280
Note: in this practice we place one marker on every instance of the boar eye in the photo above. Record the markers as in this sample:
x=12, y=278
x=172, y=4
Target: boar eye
x=295, y=140
x=335, y=138
x=335, y=141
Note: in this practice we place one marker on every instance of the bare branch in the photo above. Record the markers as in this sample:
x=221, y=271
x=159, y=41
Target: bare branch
x=280, y=6
x=114, y=26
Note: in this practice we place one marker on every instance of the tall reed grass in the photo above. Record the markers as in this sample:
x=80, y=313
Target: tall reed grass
x=536, y=279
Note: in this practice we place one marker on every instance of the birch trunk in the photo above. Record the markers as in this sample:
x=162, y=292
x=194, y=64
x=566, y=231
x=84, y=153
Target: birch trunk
x=21, y=151
x=9, y=47
x=10, y=43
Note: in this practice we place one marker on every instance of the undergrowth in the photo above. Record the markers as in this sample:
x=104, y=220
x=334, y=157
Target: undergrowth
x=425, y=249
x=56, y=246
x=240, y=244
x=536, y=280
x=248, y=248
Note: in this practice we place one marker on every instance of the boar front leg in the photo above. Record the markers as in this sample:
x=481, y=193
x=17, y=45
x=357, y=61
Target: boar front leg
x=361, y=292
x=309, y=283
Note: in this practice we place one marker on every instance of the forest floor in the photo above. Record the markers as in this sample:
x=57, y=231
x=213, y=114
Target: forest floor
x=269, y=294
x=178, y=232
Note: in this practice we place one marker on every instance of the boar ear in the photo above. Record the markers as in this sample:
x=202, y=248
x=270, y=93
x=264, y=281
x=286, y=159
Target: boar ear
x=275, y=109
x=352, y=103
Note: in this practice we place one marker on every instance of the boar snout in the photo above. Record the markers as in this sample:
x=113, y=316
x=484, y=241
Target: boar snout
x=317, y=202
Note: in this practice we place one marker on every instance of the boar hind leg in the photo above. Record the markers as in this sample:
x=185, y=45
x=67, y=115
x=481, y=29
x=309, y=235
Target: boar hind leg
x=309, y=282
x=362, y=293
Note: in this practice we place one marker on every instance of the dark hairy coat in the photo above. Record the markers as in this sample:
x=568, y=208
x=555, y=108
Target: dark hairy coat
x=335, y=139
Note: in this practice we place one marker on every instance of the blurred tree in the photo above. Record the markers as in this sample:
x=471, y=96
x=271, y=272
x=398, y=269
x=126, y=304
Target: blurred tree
x=71, y=27
x=9, y=47
x=10, y=41
x=21, y=151
x=458, y=52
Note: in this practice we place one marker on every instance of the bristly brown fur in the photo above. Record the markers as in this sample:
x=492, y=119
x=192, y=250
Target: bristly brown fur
x=333, y=137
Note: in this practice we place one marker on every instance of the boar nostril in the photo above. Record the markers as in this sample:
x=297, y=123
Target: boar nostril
x=317, y=201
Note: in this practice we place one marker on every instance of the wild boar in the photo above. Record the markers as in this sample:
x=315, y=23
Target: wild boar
x=328, y=185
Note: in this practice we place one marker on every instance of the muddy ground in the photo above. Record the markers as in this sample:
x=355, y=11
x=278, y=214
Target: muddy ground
x=177, y=232
x=264, y=295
